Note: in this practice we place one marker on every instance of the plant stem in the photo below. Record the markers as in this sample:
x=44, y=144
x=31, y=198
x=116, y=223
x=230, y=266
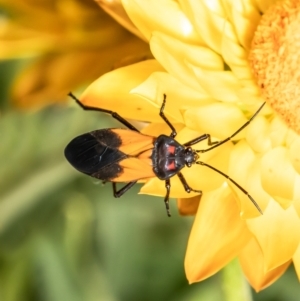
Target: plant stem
x=234, y=285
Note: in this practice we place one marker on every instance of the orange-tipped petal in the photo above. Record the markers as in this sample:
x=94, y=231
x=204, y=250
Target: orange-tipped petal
x=218, y=235
x=188, y=206
x=107, y=93
x=252, y=262
x=278, y=234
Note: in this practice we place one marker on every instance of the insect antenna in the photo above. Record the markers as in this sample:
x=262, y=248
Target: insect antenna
x=216, y=144
x=234, y=182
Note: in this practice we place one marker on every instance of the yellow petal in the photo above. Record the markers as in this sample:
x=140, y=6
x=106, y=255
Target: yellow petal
x=208, y=18
x=291, y=137
x=217, y=236
x=296, y=201
x=116, y=10
x=294, y=154
x=188, y=206
x=244, y=16
x=244, y=168
x=151, y=16
x=235, y=56
x=258, y=135
x=280, y=236
x=222, y=85
x=173, y=60
x=263, y=5
x=296, y=261
x=179, y=96
x=157, y=129
x=107, y=92
x=220, y=120
x=278, y=175
x=278, y=132
x=251, y=97
x=200, y=56
x=252, y=262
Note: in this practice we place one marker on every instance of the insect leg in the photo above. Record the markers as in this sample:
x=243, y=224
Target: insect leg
x=168, y=187
x=201, y=138
x=234, y=134
x=119, y=193
x=186, y=185
x=113, y=114
x=162, y=115
x=234, y=182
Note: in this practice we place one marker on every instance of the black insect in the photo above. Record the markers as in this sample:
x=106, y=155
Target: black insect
x=126, y=155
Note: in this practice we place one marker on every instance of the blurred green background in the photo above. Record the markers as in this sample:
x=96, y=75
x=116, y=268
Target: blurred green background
x=62, y=234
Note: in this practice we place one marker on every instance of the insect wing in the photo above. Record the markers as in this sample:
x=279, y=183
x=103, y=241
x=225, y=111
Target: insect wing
x=89, y=155
x=117, y=155
x=133, y=143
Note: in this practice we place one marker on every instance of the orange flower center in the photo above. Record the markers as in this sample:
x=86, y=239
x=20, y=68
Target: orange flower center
x=275, y=59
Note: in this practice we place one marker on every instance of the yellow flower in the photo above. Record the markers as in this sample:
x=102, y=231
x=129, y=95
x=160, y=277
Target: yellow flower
x=65, y=44
x=201, y=51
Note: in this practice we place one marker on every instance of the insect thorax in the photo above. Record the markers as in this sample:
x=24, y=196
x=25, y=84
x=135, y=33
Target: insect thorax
x=169, y=157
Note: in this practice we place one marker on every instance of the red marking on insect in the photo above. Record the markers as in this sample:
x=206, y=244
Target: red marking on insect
x=171, y=165
x=171, y=149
